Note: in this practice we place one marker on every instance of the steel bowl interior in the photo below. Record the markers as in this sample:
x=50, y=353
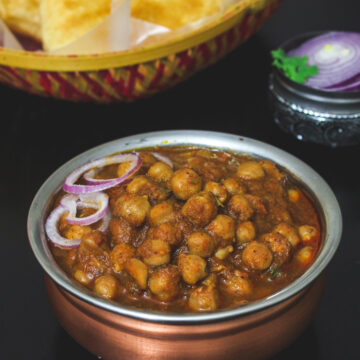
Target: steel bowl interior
x=311, y=182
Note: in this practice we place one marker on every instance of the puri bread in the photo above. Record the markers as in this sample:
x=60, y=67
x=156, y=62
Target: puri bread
x=57, y=23
x=174, y=13
x=64, y=21
x=22, y=16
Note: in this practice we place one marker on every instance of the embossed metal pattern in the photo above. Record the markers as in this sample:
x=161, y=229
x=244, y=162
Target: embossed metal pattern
x=331, y=129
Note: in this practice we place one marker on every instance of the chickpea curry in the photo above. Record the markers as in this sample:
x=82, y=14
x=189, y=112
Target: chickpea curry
x=183, y=229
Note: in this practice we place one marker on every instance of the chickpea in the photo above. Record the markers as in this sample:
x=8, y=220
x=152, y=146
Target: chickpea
x=222, y=253
x=164, y=283
x=257, y=204
x=307, y=233
x=279, y=215
x=289, y=232
x=81, y=277
x=185, y=183
x=123, y=168
x=218, y=190
x=211, y=280
x=166, y=232
x=293, y=195
x=279, y=245
x=92, y=259
x=204, y=298
x=305, y=255
x=76, y=232
x=250, y=170
x=132, y=208
x=222, y=228
x=94, y=238
x=120, y=254
x=240, y=207
x=121, y=231
x=217, y=266
x=106, y=286
x=160, y=172
x=137, y=270
x=70, y=258
x=140, y=185
x=257, y=256
x=237, y=283
x=162, y=213
x=201, y=244
x=245, y=232
x=192, y=268
x=200, y=209
x=233, y=187
x=147, y=158
x=272, y=170
x=207, y=169
x=154, y=252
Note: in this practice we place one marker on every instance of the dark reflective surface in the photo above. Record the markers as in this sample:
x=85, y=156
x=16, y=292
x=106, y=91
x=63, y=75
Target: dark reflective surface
x=38, y=135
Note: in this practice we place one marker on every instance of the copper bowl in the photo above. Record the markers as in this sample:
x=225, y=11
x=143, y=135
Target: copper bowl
x=255, y=331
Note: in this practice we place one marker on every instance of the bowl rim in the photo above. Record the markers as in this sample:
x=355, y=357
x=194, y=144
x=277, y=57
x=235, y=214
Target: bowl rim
x=313, y=182
x=50, y=62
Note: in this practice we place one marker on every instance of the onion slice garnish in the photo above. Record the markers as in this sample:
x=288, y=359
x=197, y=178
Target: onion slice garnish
x=337, y=57
x=70, y=203
x=163, y=158
x=105, y=221
x=99, y=201
x=101, y=184
x=53, y=232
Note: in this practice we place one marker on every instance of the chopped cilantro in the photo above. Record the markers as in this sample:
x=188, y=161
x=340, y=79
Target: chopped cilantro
x=219, y=203
x=295, y=68
x=274, y=273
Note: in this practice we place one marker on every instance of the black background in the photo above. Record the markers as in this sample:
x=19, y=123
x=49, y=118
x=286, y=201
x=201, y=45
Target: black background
x=38, y=135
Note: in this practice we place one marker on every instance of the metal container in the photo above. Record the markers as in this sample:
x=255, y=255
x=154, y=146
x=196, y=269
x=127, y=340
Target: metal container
x=325, y=117
x=255, y=331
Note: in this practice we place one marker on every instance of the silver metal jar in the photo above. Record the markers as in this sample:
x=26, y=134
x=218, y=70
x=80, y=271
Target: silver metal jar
x=324, y=117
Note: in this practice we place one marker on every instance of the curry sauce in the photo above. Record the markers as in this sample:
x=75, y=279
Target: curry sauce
x=214, y=230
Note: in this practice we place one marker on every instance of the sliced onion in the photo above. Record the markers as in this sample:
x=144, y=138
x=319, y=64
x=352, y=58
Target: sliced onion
x=53, y=233
x=71, y=187
x=163, y=158
x=337, y=56
x=99, y=201
x=105, y=221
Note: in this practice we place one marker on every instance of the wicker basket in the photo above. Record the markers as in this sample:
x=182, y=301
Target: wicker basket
x=133, y=74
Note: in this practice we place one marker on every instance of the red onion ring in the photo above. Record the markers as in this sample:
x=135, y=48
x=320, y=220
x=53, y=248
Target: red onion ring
x=99, y=201
x=89, y=177
x=105, y=221
x=71, y=187
x=70, y=203
x=53, y=233
x=163, y=158
x=337, y=56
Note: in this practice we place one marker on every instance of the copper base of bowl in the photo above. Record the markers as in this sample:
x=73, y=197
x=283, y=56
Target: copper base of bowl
x=252, y=337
